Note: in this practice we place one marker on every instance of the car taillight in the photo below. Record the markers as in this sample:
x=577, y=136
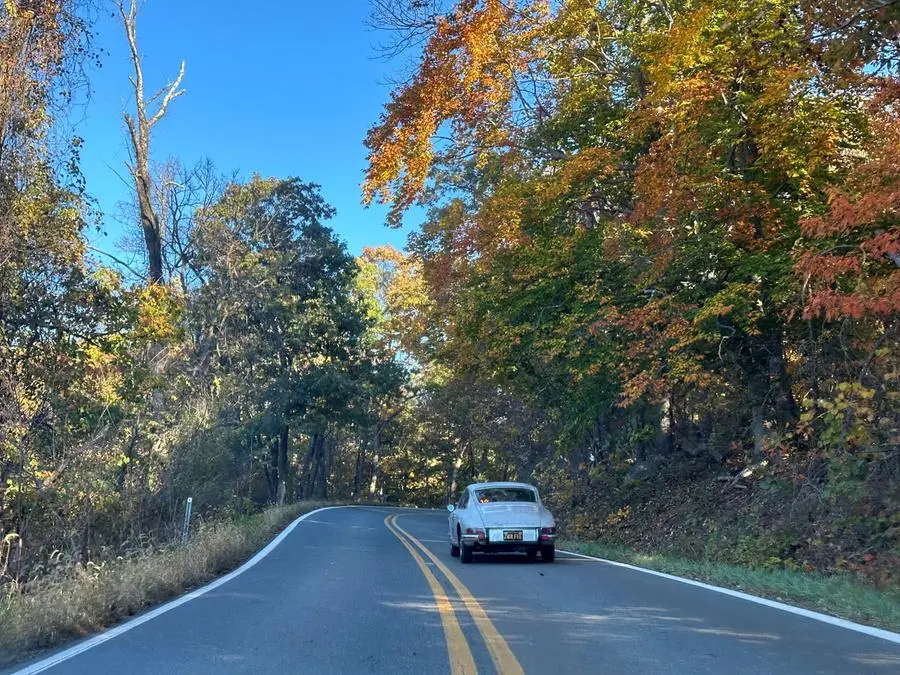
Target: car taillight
x=476, y=531
x=548, y=532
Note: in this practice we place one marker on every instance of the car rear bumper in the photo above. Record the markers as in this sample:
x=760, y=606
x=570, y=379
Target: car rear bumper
x=486, y=547
x=481, y=542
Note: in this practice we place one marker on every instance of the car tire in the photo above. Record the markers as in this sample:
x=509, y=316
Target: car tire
x=548, y=553
x=465, y=554
x=454, y=550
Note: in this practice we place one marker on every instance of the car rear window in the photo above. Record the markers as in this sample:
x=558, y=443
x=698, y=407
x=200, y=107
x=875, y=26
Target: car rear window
x=506, y=494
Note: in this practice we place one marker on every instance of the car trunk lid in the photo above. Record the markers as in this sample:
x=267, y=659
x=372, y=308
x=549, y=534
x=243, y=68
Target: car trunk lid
x=511, y=515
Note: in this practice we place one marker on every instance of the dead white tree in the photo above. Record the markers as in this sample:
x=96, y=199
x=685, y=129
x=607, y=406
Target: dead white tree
x=148, y=112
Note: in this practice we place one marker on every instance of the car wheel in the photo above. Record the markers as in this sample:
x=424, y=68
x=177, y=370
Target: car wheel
x=465, y=554
x=532, y=553
x=548, y=553
x=454, y=550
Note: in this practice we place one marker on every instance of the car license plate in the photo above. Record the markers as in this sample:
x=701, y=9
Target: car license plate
x=512, y=535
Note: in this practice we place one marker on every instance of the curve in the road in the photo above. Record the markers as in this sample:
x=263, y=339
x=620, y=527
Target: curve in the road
x=90, y=643
x=335, y=593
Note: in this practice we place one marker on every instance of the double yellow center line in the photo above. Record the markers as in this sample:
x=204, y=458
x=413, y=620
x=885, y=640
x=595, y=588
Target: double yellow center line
x=461, y=660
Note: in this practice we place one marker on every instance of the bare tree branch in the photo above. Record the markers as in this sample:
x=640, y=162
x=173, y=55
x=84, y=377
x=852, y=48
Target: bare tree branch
x=855, y=17
x=172, y=93
x=139, y=127
x=118, y=261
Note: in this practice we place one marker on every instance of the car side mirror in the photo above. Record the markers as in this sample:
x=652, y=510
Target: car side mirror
x=451, y=508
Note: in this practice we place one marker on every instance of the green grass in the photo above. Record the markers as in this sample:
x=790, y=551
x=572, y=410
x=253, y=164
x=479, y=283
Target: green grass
x=91, y=598
x=837, y=595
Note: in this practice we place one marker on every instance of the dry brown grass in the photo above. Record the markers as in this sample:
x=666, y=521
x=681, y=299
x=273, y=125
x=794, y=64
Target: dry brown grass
x=94, y=597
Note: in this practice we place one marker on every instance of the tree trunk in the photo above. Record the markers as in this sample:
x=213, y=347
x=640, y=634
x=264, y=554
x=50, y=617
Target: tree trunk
x=139, y=129
x=312, y=467
x=483, y=464
x=455, y=473
x=786, y=407
x=149, y=222
x=283, y=440
x=373, y=484
x=325, y=455
x=771, y=397
x=272, y=472
x=357, y=481
x=305, y=469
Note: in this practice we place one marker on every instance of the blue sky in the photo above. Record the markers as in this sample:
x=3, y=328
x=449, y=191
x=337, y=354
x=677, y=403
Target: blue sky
x=278, y=88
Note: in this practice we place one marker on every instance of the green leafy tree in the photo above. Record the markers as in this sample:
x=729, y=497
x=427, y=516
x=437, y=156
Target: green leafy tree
x=279, y=317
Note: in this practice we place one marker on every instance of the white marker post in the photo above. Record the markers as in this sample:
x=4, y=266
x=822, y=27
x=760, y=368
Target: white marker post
x=187, y=520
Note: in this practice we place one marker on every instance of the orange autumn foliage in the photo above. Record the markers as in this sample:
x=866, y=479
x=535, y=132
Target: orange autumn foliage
x=856, y=270
x=465, y=84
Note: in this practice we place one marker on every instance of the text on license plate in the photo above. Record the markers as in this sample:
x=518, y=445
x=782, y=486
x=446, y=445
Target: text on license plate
x=512, y=535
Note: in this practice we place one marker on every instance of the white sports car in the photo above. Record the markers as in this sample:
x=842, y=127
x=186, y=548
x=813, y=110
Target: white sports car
x=501, y=517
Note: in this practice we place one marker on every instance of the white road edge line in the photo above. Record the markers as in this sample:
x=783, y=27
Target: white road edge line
x=90, y=643
x=809, y=614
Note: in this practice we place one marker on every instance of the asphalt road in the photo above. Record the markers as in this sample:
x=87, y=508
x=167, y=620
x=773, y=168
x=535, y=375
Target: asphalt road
x=366, y=590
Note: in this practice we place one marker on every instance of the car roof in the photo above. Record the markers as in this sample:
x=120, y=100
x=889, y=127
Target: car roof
x=501, y=484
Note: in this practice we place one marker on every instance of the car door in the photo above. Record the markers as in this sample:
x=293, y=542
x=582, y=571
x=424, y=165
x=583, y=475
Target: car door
x=456, y=515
